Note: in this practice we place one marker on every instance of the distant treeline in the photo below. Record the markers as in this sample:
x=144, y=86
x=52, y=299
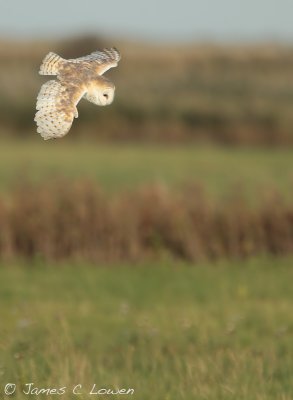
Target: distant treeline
x=76, y=221
x=224, y=94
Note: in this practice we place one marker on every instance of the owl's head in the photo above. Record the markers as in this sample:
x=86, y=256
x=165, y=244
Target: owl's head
x=101, y=92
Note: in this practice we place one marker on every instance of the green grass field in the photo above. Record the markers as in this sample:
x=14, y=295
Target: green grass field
x=127, y=166
x=167, y=331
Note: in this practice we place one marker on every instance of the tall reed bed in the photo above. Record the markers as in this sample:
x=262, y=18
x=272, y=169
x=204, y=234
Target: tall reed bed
x=65, y=220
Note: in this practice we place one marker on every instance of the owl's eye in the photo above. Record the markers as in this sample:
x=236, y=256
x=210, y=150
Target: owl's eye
x=106, y=95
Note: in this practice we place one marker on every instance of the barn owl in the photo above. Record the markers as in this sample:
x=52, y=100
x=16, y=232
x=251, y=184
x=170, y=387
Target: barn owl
x=76, y=78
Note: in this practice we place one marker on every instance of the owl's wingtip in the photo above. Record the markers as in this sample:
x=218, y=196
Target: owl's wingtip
x=51, y=64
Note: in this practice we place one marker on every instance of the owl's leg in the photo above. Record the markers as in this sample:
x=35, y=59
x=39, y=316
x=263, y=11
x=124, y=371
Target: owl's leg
x=75, y=113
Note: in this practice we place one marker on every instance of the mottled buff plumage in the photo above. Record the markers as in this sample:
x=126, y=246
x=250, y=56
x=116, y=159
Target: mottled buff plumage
x=76, y=78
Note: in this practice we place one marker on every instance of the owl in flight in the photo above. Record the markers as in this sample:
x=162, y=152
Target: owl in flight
x=76, y=78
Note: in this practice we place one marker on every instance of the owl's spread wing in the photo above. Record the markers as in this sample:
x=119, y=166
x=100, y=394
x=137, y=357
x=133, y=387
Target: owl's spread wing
x=56, y=105
x=101, y=60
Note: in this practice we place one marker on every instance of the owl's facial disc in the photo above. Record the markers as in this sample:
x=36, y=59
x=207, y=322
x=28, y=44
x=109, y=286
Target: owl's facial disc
x=101, y=92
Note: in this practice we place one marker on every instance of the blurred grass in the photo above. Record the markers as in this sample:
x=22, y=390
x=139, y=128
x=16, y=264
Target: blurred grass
x=168, y=331
x=124, y=166
x=67, y=220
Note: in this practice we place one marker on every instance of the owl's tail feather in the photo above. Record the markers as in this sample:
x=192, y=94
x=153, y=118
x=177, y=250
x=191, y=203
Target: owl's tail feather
x=51, y=64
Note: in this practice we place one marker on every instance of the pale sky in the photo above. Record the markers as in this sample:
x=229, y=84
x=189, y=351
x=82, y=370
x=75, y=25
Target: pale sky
x=246, y=20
